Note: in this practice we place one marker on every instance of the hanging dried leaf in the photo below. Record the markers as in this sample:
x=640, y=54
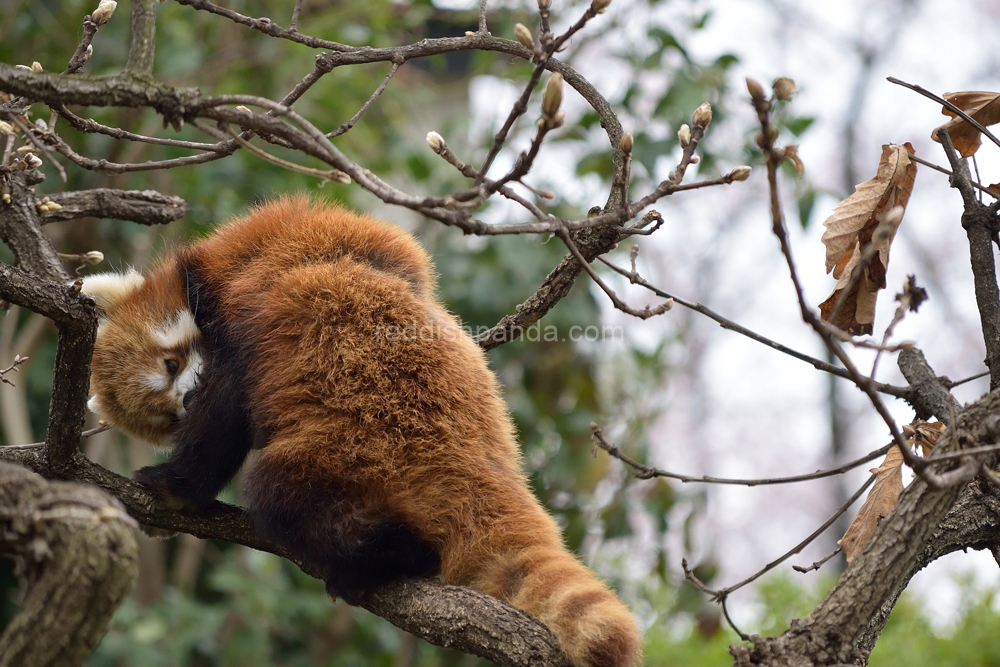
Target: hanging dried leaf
x=981, y=106
x=876, y=206
x=925, y=434
x=881, y=499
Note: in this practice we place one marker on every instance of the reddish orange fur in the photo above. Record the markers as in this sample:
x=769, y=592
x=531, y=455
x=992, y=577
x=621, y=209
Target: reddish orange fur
x=415, y=426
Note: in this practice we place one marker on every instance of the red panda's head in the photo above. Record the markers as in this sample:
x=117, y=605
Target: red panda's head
x=146, y=359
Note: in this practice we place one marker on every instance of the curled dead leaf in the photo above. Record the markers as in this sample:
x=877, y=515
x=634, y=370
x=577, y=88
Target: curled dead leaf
x=881, y=499
x=869, y=217
x=983, y=107
x=925, y=434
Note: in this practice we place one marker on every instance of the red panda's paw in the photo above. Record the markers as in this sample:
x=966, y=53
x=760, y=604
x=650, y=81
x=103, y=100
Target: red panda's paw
x=161, y=481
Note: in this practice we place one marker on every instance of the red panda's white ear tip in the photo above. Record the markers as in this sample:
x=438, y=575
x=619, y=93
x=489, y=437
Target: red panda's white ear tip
x=108, y=289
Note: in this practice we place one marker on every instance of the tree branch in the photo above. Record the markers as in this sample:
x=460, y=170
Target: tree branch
x=75, y=547
x=146, y=207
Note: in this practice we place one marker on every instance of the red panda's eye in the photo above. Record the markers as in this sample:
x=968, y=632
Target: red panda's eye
x=172, y=366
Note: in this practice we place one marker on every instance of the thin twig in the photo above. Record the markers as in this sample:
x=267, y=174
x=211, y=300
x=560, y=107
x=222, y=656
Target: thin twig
x=946, y=104
x=726, y=592
x=85, y=434
x=325, y=174
x=899, y=392
x=374, y=96
x=818, y=564
x=293, y=25
x=643, y=314
x=648, y=472
x=926, y=163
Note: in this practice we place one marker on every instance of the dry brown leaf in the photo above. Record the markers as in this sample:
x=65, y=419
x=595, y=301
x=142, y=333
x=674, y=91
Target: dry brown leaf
x=925, y=434
x=881, y=499
x=981, y=106
x=851, y=227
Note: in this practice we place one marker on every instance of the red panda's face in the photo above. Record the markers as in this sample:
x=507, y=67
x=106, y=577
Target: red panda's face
x=146, y=359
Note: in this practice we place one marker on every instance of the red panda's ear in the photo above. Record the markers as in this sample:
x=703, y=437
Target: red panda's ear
x=110, y=289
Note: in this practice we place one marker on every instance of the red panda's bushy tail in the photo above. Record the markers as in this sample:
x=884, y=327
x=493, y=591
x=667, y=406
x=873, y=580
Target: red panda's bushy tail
x=593, y=626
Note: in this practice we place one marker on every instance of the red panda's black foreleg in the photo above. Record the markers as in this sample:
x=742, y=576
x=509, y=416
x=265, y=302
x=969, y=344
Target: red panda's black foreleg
x=214, y=438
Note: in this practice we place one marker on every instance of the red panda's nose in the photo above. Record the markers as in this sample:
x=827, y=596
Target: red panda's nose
x=188, y=395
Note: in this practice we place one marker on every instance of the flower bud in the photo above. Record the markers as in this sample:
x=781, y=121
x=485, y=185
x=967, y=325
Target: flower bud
x=104, y=11
x=694, y=159
x=755, y=89
x=784, y=88
x=25, y=149
x=37, y=67
x=684, y=135
x=341, y=177
x=598, y=6
x=627, y=142
x=90, y=50
x=524, y=36
x=552, y=98
x=436, y=142
x=93, y=257
x=33, y=161
x=243, y=109
x=5, y=197
x=52, y=205
x=6, y=127
x=740, y=173
x=544, y=4
x=702, y=116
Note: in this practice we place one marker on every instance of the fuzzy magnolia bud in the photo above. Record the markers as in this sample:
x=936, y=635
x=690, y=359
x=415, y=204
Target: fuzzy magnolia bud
x=755, y=89
x=5, y=197
x=598, y=6
x=104, y=11
x=93, y=257
x=524, y=36
x=784, y=88
x=552, y=98
x=684, y=135
x=6, y=127
x=627, y=142
x=544, y=4
x=436, y=142
x=33, y=161
x=90, y=50
x=37, y=67
x=702, y=116
x=740, y=173
x=243, y=109
x=25, y=149
x=341, y=177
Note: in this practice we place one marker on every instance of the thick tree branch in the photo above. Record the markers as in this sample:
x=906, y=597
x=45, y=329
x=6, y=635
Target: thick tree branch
x=929, y=396
x=76, y=549
x=845, y=625
x=147, y=207
x=979, y=222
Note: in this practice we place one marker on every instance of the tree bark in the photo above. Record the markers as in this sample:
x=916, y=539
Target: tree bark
x=74, y=546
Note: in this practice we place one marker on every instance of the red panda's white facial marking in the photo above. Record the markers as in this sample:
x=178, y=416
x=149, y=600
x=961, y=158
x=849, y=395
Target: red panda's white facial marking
x=146, y=359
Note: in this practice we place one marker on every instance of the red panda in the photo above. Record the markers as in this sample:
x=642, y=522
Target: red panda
x=315, y=335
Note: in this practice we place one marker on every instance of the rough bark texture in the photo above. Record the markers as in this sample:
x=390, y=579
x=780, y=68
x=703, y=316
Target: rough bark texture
x=932, y=399
x=844, y=627
x=20, y=229
x=147, y=207
x=462, y=619
x=75, y=547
